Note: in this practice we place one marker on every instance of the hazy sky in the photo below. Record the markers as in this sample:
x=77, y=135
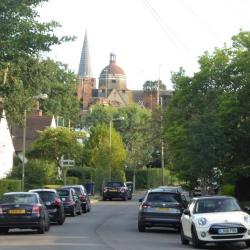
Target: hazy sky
x=150, y=38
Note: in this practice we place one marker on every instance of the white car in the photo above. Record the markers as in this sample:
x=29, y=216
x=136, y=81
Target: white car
x=214, y=219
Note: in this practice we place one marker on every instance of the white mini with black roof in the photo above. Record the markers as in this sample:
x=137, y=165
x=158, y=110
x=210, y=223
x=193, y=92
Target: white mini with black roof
x=214, y=219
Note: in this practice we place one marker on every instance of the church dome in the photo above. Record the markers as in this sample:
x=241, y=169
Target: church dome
x=112, y=76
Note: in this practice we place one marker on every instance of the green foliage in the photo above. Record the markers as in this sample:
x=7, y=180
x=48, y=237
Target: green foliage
x=152, y=86
x=148, y=178
x=8, y=185
x=37, y=173
x=108, y=159
x=207, y=120
x=228, y=189
x=54, y=143
x=72, y=180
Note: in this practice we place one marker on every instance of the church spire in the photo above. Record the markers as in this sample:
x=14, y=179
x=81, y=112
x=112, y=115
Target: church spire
x=84, y=66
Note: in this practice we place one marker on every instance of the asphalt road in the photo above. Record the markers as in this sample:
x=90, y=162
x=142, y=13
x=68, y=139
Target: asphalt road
x=110, y=225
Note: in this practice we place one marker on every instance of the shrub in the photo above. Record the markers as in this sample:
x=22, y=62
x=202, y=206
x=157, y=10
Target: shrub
x=8, y=185
x=228, y=189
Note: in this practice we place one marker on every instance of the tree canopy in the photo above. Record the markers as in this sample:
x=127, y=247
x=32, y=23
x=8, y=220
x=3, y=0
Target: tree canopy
x=207, y=122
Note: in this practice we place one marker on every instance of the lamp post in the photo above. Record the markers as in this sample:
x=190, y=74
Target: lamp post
x=41, y=96
x=110, y=137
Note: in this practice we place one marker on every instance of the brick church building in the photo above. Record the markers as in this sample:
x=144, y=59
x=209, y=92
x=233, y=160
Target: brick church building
x=112, y=86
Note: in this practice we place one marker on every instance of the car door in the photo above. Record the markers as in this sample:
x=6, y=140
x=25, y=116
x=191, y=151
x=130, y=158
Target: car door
x=186, y=220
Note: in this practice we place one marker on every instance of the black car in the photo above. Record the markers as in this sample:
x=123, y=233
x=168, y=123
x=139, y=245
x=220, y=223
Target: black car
x=23, y=210
x=53, y=203
x=70, y=200
x=115, y=189
x=161, y=207
x=82, y=195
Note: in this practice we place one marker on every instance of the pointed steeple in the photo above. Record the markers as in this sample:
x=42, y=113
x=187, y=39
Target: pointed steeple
x=84, y=66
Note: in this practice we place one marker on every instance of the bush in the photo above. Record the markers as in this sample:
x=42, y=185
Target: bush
x=72, y=180
x=8, y=185
x=228, y=189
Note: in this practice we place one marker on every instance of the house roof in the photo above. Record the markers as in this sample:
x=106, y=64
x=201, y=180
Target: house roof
x=33, y=125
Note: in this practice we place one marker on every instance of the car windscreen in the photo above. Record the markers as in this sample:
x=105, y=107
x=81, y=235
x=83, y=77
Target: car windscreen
x=46, y=196
x=63, y=193
x=114, y=184
x=163, y=197
x=19, y=199
x=216, y=205
x=78, y=190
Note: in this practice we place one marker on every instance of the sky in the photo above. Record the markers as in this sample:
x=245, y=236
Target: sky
x=151, y=38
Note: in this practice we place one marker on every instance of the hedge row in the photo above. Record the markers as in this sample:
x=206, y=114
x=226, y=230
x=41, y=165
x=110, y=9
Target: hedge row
x=8, y=185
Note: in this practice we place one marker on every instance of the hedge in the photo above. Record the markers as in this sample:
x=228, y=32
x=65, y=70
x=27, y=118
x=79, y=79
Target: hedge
x=8, y=185
x=148, y=178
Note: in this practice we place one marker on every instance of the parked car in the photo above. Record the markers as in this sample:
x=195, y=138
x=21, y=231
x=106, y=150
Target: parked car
x=161, y=207
x=23, y=210
x=115, y=189
x=70, y=200
x=53, y=203
x=214, y=219
x=81, y=192
x=129, y=184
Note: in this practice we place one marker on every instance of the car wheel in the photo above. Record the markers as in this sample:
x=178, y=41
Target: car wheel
x=41, y=228
x=79, y=209
x=47, y=227
x=61, y=220
x=184, y=241
x=141, y=227
x=73, y=212
x=125, y=198
x=104, y=199
x=195, y=240
x=84, y=209
x=248, y=243
x=4, y=230
x=89, y=207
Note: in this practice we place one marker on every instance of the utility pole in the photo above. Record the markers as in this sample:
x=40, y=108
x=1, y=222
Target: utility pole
x=162, y=147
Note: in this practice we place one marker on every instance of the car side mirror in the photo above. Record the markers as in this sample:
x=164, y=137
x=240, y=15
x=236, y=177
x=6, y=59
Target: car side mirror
x=186, y=212
x=141, y=199
x=246, y=209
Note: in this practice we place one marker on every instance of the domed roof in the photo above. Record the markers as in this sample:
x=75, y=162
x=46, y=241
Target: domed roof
x=113, y=68
x=112, y=76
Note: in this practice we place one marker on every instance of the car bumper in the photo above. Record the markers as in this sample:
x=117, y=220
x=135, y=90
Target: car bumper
x=23, y=223
x=54, y=214
x=68, y=208
x=205, y=236
x=114, y=195
x=160, y=221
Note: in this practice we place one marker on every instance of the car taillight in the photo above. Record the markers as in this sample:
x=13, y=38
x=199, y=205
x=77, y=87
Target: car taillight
x=122, y=189
x=105, y=190
x=1, y=210
x=145, y=205
x=57, y=202
x=36, y=209
x=82, y=197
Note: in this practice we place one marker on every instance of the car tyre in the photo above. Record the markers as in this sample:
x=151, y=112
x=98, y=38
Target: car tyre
x=47, y=227
x=89, y=208
x=248, y=243
x=73, y=212
x=141, y=227
x=84, y=209
x=79, y=210
x=42, y=227
x=184, y=241
x=4, y=230
x=195, y=240
x=104, y=199
x=61, y=220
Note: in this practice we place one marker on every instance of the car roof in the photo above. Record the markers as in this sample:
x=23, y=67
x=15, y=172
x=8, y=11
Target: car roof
x=10, y=193
x=72, y=186
x=42, y=190
x=213, y=197
x=164, y=190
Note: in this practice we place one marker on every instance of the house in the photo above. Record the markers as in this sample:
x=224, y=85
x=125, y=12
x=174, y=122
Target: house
x=34, y=123
x=6, y=147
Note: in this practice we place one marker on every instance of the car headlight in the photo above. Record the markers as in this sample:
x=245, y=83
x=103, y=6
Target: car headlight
x=246, y=219
x=202, y=221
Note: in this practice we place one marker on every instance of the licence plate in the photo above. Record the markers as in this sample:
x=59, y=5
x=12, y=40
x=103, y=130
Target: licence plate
x=163, y=209
x=16, y=211
x=112, y=190
x=228, y=231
